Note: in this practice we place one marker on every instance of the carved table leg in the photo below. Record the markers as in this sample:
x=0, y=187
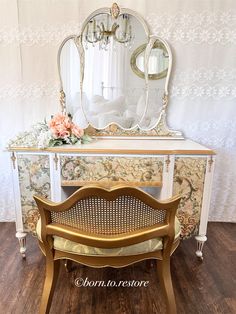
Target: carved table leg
x=21, y=236
x=201, y=239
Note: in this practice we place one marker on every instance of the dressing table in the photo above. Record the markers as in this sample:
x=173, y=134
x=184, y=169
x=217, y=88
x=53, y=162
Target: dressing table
x=125, y=115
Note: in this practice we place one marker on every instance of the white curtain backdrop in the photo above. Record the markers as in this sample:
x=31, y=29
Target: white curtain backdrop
x=202, y=35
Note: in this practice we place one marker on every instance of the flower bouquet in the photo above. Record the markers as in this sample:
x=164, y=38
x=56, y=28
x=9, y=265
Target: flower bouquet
x=58, y=131
x=64, y=131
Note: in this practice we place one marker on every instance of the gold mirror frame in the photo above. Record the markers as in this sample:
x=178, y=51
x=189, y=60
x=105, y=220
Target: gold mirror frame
x=140, y=73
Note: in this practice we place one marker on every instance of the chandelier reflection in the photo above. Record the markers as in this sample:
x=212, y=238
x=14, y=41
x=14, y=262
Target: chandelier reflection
x=97, y=32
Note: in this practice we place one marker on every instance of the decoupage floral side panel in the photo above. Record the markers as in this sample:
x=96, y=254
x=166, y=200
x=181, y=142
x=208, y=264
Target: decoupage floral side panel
x=34, y=178
x=189, y=176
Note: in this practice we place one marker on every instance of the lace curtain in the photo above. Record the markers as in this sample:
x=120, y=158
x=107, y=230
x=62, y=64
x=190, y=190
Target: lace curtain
x=202, y=35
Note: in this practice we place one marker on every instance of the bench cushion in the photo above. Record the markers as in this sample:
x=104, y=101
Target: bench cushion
x=65, y=245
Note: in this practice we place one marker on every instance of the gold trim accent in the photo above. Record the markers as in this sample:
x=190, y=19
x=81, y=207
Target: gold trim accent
x=167, y=161
x=115, y=10
x=13, y=158
x=110, y=183
x=165, y=100
x=210, y=163
x=116, y=151
x=135, y=68
x=56, y=159
x=63, y=101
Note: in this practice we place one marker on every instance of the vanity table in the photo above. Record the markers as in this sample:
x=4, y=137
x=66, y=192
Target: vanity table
x=173, y=167
x=132, y=143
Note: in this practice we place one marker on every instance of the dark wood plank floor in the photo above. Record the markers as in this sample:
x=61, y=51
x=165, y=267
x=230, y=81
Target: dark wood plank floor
x=208, y=287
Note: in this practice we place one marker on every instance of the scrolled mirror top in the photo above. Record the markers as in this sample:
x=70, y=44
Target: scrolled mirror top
x=114, y=76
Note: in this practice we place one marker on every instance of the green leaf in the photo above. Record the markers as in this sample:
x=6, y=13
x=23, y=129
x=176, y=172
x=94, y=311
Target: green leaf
x=86, y=139
x=55, y=142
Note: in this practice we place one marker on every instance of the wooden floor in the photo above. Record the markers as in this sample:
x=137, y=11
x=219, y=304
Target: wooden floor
x=207, y=287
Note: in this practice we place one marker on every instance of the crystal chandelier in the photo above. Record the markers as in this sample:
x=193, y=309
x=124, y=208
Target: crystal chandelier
x=97, y=32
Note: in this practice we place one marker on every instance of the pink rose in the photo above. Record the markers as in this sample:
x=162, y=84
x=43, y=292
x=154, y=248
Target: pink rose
x=54, y=131
x=64, y=134
x=57, y=120
x=61, y=126
x=67, y=123
x=77, y=131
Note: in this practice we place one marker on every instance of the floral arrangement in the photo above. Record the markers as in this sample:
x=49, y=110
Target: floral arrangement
x=58, y=131
x=64, y=131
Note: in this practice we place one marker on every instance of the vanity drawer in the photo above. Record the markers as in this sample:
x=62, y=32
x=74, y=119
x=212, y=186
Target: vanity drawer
x=111, y=170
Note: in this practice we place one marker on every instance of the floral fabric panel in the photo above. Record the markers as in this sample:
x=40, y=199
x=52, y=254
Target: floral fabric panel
x=110, y=170
x=34, y=178
x=189, y=176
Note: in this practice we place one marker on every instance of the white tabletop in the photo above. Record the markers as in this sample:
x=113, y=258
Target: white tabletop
x=130, y=146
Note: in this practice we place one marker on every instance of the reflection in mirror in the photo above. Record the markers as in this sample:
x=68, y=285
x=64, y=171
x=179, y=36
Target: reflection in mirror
x=158, y=61
x=158, y=64
x=154, y=107
x=70, y=75
x=111, y=91
x=115, y=76
x=112, y=94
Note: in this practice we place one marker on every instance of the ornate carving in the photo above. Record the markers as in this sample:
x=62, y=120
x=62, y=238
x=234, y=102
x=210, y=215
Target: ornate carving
x=63, y=101
x=114, y=130
x=167, y=163
x=56, y=159
x=210, y=163
x=13, y=158
x=115, y=10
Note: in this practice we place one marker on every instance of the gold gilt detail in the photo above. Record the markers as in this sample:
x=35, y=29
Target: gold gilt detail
x=167, y=163
x=13, y=158
x=63, y=101
x=210, y=163
x=56, y=161
x=115, y=10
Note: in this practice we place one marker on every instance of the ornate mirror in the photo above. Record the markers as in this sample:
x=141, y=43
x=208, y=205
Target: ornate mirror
x=114, y=76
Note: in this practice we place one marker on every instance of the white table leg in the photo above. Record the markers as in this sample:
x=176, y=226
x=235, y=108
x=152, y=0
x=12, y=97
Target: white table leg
x=201, y=239
x=21, y=236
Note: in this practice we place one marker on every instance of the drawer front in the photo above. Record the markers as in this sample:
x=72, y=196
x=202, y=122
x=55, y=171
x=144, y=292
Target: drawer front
x=189, y=177
x=109, y=170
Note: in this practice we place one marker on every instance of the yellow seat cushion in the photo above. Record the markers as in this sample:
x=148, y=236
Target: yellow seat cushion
x=65, y=245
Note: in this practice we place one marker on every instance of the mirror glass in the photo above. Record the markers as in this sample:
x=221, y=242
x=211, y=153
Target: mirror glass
x=70, y=76
x=113, y=86
x=158, y=64
x=111, y=91
x=114, y=76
